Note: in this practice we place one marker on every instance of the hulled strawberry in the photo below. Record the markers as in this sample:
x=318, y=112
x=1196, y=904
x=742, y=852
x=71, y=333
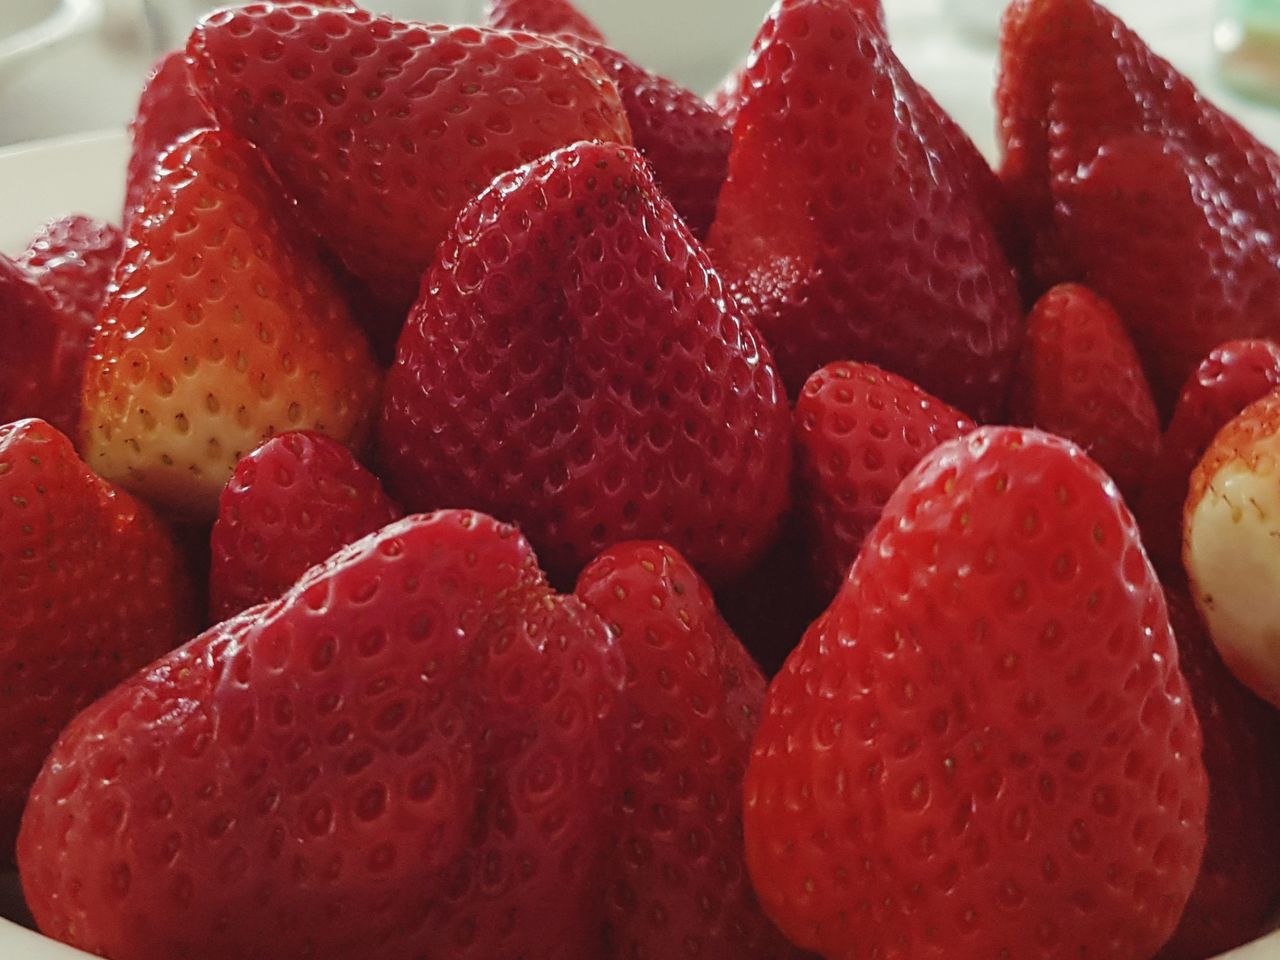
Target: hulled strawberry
x=290, y=504
x=383, y=130
x=574, y=365
x=1231, y=544
x=849, y=226
x=168, y=110
x=1230, y=378
x=1131, y=182
x=985, y=746
x=679, y=886
x=45, y=345
x=407, y=753
x=91, y=589
x=858, y=432
x=1238, y=889
x=73, y=258
x=1081, y=378
x=222, y=330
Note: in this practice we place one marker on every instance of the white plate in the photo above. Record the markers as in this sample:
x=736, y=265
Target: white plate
x=85, y=174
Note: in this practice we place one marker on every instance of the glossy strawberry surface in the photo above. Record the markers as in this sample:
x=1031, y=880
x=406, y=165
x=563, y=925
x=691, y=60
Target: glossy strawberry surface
x=290, y=504
x=574, y=366
x=849, y=227
x=224, y=329
x=985, y=745
x=74, y=258
x=1081, y=378
x=91, y=589
x=382, y=130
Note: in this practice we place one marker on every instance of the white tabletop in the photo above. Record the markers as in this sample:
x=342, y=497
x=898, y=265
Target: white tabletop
x=92, y=83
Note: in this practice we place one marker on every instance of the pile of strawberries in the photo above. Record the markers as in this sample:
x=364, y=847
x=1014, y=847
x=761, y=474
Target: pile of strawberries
x=482, y=389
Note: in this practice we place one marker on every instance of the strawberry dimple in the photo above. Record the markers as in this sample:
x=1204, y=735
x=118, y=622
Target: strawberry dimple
x=74, y=258
x=574, y=365
x=985, y=744
x=331, y=95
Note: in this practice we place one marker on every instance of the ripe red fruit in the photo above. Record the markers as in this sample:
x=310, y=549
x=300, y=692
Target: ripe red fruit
x=858, y=432
x=985, y=745
x=408, y=752
x=224, y=330
x=1081, y=378
x=679, y=886
x=168, y=110
x=330, y=95
x=574, y=365
x=850, y=227
x=1230, y=378
x=548, y=17
x=1131, y=182
x=91, y=589
x=290, y=504
x=73, y=258
x=1238, y=888
x=45, y=345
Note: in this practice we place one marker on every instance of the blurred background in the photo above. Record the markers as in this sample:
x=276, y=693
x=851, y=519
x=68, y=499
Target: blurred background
x=76, y=65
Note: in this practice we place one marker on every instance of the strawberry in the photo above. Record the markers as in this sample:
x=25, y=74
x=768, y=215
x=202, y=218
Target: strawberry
x=1081, y=378
x=168, y=111
x=1230, y=378
x=91, y=589
x=73, y=258
x=679, y=887
x=574, y=365
x=1130, y=182
x=408, y=753
x=290, y=504
x=727, y=98
x=985, y=746
x=1231, y=535
x=858, y=432
x=1238, y=887
x=223, y=330
x=45, y=346
x=683, y=138
x=848, y=226
x=382, y=130
x=549, y=17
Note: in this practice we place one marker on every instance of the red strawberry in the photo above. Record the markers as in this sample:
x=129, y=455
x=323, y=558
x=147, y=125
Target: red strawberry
x=683, y=138
x=405, y=756
x=727, y=98
x=541, y=16
x=74, y=258
x=1231, y=543
x=333, y=96
x=679, y=886
x=168, y=110
x=290, y=504
x=1230, y=378
x=1132, y=183
x=91, y=589
x=574, y=365
x=1238, y=887
x=1081, y=378
x=984, y=747
x=224, y=330
x=859, y=431
x=42, y=363
x=848, y=226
